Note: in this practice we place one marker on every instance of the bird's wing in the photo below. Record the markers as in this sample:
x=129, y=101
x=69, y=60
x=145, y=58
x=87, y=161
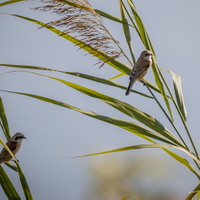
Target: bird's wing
x=135, y=72
x=12, y=146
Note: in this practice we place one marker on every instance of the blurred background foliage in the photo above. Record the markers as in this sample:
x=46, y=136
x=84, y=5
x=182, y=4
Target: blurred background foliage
x=132, y=176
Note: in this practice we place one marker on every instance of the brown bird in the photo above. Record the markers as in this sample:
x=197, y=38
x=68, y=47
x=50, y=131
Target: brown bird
x=140, y=69
x=14, y=144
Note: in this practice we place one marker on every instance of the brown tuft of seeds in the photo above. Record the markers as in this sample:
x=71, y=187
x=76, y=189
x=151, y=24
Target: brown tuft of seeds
x=82, y=22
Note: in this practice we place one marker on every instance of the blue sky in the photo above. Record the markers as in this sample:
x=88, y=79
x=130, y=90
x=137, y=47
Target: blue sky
x=54, y=132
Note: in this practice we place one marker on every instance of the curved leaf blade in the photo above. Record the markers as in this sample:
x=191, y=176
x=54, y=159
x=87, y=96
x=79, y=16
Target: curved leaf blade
x=108, y=16
x=127, y=109
x=81, y=75
x=123, y=107
x=183, y=161
x=147, y=43
x=11, y=166
x=3, y=121
x=7, y=185
x=134, y=147
x=120, y=66
x=10, y=2
x=25, y=187
x=178, y=93
x=126, y=30
x=144, y=146
x=142, y=31
x=24, y=183
x=127, y=125
x=193, y=193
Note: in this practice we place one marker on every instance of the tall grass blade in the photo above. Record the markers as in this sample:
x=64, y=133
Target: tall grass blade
x=117, y=76
x=126, y=30
x=178, y=93
x=114, y=63
x=7, y=185
x=3, y=121
x=122, y=67
x=11, y=166
x=81, y=75
x=193, y=193
x=143, y=33
x=144, y=146
x=125, y=108
x=24, y=183
x=127, y=125
x=25, y=187
x=108, y=16
x=100, y=55
x=10, y=2
x=146, y=41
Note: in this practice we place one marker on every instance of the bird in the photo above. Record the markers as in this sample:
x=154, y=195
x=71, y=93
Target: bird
x=140, y=69
x=14, y=144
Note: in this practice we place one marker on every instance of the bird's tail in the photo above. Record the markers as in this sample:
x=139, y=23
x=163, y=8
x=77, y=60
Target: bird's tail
x=130, y=86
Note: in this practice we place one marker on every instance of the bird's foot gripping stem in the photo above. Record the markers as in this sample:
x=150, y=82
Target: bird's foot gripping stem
x=144, y=82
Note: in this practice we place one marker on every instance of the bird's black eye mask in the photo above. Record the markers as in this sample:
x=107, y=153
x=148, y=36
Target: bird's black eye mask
x=19, y=137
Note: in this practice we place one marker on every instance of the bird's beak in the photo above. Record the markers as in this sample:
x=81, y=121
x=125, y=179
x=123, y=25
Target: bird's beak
x=24, y=137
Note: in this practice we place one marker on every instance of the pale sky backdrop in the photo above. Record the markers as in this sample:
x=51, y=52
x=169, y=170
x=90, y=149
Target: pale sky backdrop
x=54, y=132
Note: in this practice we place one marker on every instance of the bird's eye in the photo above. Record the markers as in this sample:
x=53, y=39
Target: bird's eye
x=17, y=138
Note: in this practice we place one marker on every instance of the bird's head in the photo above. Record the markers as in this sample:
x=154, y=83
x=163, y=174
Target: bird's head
x=146, y=55
x=18, y=137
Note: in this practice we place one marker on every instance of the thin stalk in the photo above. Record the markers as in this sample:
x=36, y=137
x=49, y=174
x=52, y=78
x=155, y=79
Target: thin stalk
x=126, y=31
x=182, y=118
x=131, y=19
x=171, y=123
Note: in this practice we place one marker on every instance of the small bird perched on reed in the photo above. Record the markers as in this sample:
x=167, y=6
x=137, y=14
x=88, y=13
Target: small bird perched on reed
x=140, y=69
x=14, y=144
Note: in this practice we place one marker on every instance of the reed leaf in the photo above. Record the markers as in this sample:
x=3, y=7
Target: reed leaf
x=126, y=30
x=193, y=193
x=3, y=121
x=117, y=76
x=123, y=107
x=81, y=75
x=109, y=16
x=10, y=2
x=11, y=166
x=147, y=43
x=127, y=125
x=163, y=146
x=24, y=183
x=7, y=185
x=118, y=65
x=25, y=187
x=100, y=55
x=178, y=93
